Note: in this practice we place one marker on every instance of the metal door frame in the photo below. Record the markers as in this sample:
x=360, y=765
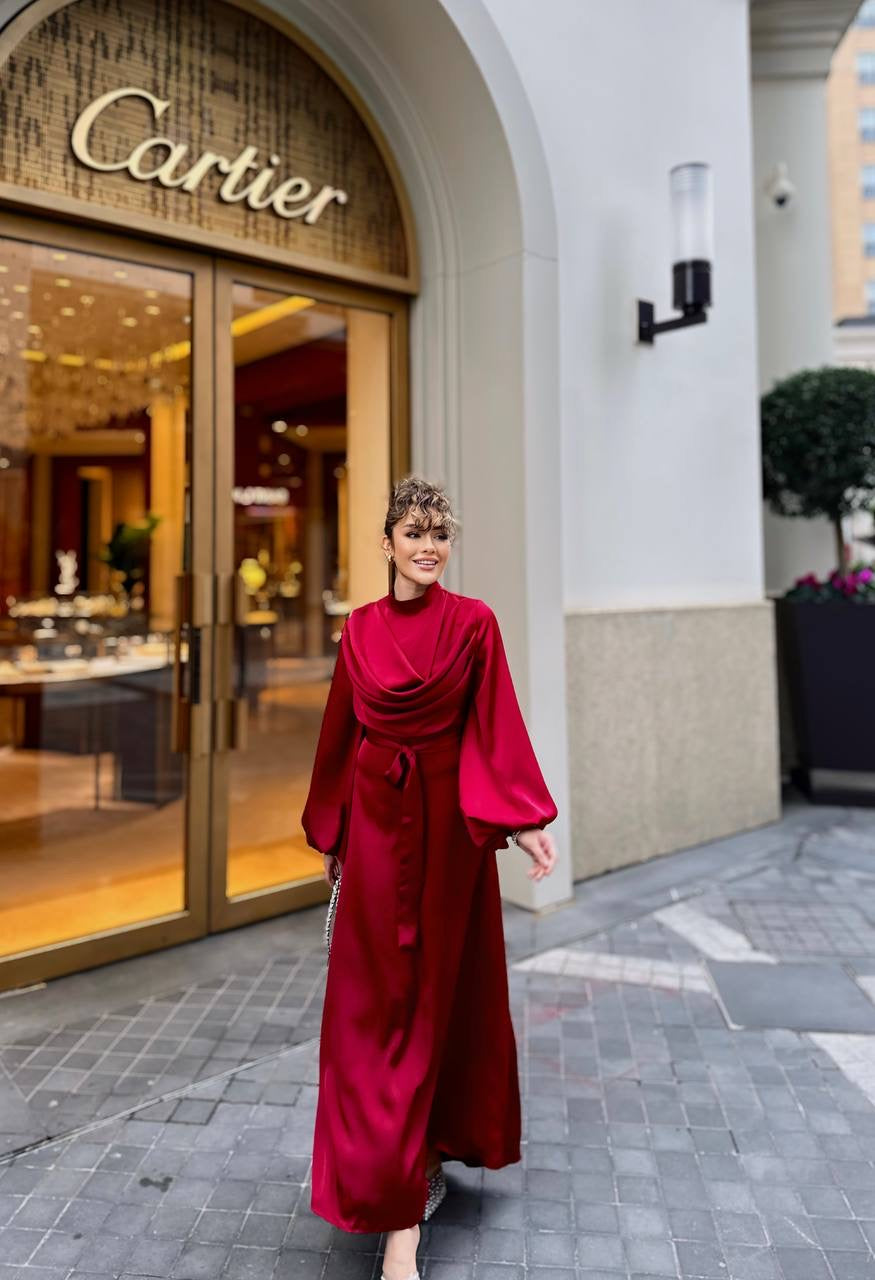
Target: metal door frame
x=264, y=903
x=193, y=724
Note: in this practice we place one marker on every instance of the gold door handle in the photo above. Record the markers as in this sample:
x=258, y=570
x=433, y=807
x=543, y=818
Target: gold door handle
x=180, y=715
x=189, y=718
x=232, y=707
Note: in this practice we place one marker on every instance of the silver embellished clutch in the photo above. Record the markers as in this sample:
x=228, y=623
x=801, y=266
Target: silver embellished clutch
x=329, y=917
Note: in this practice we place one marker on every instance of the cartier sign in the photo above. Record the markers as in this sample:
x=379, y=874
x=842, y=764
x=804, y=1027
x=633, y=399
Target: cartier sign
x=200, y=122
x=162, y=160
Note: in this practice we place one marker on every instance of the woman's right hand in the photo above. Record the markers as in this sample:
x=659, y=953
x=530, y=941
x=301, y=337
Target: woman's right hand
x=332, y=868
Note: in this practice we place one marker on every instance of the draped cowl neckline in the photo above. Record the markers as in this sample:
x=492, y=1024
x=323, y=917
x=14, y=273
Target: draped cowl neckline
x=407, y=657
x=414, y=628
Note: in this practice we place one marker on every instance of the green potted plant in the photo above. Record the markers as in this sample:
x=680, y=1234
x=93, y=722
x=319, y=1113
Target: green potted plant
x=818, y=454
x=127, y=552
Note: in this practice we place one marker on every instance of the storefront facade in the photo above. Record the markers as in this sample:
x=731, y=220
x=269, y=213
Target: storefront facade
x=205, y=394
x=448, y=210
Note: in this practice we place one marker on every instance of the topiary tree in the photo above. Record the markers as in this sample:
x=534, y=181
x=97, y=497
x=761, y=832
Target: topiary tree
x=818, y=445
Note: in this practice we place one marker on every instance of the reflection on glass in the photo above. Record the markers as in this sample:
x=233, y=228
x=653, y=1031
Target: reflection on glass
x=94, y=392
x=311, y=464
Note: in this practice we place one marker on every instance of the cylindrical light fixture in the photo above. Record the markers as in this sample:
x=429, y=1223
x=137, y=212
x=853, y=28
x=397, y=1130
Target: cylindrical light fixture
x=692, y=212
x=692, y=209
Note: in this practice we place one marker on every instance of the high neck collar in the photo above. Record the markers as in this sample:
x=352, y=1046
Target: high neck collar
x=416, y=603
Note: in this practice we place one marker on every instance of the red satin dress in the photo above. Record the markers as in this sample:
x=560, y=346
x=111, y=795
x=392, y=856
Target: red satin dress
x=423, y=767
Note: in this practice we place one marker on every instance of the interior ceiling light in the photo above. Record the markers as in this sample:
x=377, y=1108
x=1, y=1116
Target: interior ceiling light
x=253, y=320
x=242, y=324
x=68, y=311
x=129, y=322
x=151, y=293
x=176, y=351
x=59, y=257
x=75, y=362
x=36, y=356
x=153, y=311
x=120, y=275
x=62, y=282
x=20, y=288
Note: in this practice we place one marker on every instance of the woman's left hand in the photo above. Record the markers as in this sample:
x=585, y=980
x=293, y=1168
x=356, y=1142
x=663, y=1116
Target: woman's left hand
x=539, y=846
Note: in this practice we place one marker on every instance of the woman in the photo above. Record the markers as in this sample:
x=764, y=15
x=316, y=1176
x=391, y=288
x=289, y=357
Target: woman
x=423, y=768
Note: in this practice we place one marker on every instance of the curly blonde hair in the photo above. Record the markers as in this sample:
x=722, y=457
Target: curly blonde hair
x=429, y=500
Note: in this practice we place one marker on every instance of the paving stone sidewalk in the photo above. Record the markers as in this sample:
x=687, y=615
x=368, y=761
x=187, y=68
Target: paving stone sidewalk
x=694, y=1103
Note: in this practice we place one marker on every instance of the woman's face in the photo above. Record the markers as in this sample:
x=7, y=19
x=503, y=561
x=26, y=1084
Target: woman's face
x=421, y=554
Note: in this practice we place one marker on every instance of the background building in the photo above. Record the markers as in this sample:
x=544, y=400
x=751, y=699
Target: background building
x=466, y=306
x=851, y=117
x=811, y=65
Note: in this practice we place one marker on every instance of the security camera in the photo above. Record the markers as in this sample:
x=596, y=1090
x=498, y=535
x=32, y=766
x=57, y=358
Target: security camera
x=778, y=187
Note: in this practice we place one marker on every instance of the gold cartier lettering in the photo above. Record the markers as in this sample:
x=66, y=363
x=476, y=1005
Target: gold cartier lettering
x=139, y=154
x=235, y=170
x=290, y=198
x=200, y=168
x=288, y=193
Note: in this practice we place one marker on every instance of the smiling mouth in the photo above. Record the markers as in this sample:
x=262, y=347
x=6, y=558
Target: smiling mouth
x=425, y=564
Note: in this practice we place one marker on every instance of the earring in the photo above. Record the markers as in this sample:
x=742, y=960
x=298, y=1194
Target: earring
x=389, y=556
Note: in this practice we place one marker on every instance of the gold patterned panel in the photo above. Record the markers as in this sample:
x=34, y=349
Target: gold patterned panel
x=231, y=82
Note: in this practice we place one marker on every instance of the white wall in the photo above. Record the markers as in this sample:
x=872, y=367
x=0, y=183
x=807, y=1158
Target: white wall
x=660, y=445
x=794, y=276
x=794, y=246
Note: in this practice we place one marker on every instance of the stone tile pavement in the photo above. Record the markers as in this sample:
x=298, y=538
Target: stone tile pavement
x=158, y=1114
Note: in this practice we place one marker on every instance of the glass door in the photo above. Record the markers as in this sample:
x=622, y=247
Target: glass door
x=105, y=597
x=311, y=420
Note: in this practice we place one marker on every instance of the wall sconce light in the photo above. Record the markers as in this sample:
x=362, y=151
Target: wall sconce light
x=692, y=209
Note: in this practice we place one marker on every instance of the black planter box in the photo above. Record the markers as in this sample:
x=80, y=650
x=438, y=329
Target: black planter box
x=827, y=652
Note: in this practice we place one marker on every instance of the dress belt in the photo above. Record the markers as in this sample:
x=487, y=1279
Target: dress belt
x=404, y=773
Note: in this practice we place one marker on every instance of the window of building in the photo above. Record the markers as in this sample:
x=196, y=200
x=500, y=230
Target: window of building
x=866, y=66
x=867, y=181
x=869, y=239
x=867, y=124
x=870, y=297
x=866, y=14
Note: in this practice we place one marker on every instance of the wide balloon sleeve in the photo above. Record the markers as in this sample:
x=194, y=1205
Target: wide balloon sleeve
x=501, y=787
x=326, y=810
